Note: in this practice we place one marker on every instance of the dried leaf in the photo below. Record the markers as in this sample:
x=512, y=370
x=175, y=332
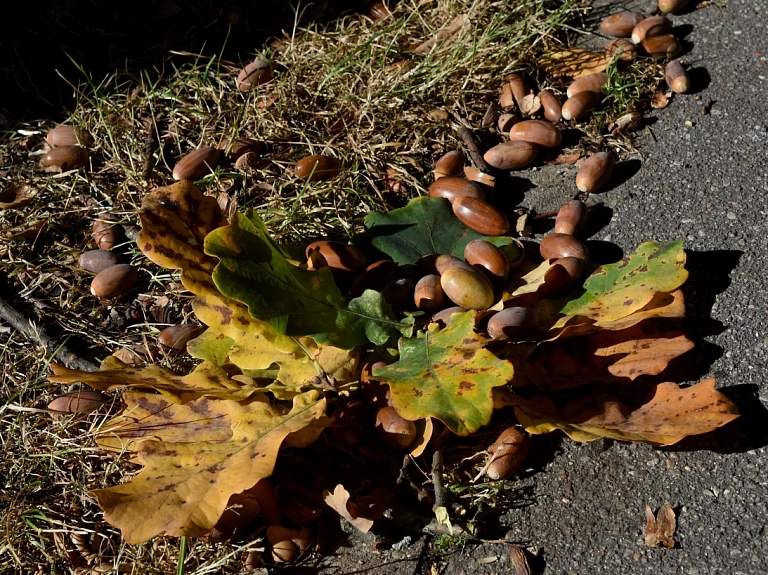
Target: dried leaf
x=443, y=36
x=607, y=356
x=563, y=159
x=339, y=502
x=660, y=530
x=574, y=62
x=16, y=196
x=425, y=226
x=185, y=484
x=660, y=99
x=519, y=560
x=446, y=374
x=672, y=414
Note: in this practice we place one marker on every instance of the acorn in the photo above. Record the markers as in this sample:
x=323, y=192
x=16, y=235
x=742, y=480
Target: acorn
x=443, y=317
x=483, y=254
x=512, y=323
x=672, y=6
x=480, y=216
x=676, y=77
x=507, y=454
x=80, y=401
x=650, y=27
x=595, y=172
x=374, y=277
x=665, y=46
x=588, y=83
x=561, y=277
x=580, y=105
x=428, y=294
x=67, y=157
x=452, y=187
x=572, y=218
x=114, y=281
x=106, y=233
x=340, y=257
x=197, y=164
x=97, y=260
x=539, y=132
x=623, y=47
x=254, y=74
x=450, y=164
x=511, y=155
x=66, y=135
x=468, y=288
x=317, y=168
x=552, y=106
x=556, y=246
x=620, y=25
x=176, y=337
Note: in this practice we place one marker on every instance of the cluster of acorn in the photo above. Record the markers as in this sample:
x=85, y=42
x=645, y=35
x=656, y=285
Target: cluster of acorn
x=68, y=147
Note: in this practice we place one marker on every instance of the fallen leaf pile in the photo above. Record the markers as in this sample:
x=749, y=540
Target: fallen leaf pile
x=284, y=348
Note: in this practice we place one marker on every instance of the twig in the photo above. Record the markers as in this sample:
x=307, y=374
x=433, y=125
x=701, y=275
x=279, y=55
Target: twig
x=437, y=478
x=25, y=326
x=474, y=151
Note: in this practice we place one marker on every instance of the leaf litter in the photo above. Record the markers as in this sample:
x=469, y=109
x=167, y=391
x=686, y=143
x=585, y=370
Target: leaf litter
x=254, y=364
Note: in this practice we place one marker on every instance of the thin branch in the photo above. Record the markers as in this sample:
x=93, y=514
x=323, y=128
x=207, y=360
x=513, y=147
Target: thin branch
x=34, y=333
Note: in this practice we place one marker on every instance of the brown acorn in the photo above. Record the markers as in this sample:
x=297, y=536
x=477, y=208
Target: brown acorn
x=67, y=157
x=552, y=106
x=176, y=337
x=284, y=550
x=672, y=6
x=563, y=246
x=572, y=218
x=66, y=135
x=452, y=187
x=443, y=317
x=539, y=132
x=197, y=164
x=338, y=256
x=106, y=233
x=428, y=295
x=511, y=155
x=480, y=216
x=398, y=293
x=588, y=83
x=512, y=323
x=650, y=27
x=374, y=277
x=665, y=46
x=485, y=255
x=97, y=260
x=580, y=105
x=80, y=401
x=676, y=77
x=241, y=146
x=620, y=25
x=115, y=281
x=623, y=47
x=507, y=454
x=450, y=164
x=317, y=168
x=254, y=74
x=595, y=172
x=561, y=277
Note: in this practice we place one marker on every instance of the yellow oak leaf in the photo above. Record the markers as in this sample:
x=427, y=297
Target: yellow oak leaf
x=185, y=485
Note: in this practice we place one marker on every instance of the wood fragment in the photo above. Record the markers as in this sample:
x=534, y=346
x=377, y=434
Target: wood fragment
x=519, y=560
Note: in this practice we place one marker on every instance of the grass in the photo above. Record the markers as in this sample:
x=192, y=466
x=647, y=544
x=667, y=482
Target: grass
x=398, y=109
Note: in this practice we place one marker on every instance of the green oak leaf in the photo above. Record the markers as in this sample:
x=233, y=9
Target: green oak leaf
x=294, y=301
x=617, y=290
x=446, y=374
x=425, y=226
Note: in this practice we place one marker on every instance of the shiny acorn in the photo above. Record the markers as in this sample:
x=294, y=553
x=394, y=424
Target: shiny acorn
x=511, y=155
x=66, y=135
x=551, y=105
x=428, y=295
x=676, y=77
x=452, y=187
x=197, y=164
x=254, y=74
x=620, y=25
x=450, y=164
x=337, y=255
x=580, y=105
x=469, y=289
x=114, y=281
x=317, y=167
x=97, y=260
x=480, y=216
x=512, y=323
x=595, y=172
x=483, y=254
x=556, y=246
x=539, y=132
x=650, y=27
x=672, y=6
x=572, y=218
x=67, y=157
x=665, y=46
x=588, y=83
x=623, y=47
x=507, y=454
x=393, y=430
